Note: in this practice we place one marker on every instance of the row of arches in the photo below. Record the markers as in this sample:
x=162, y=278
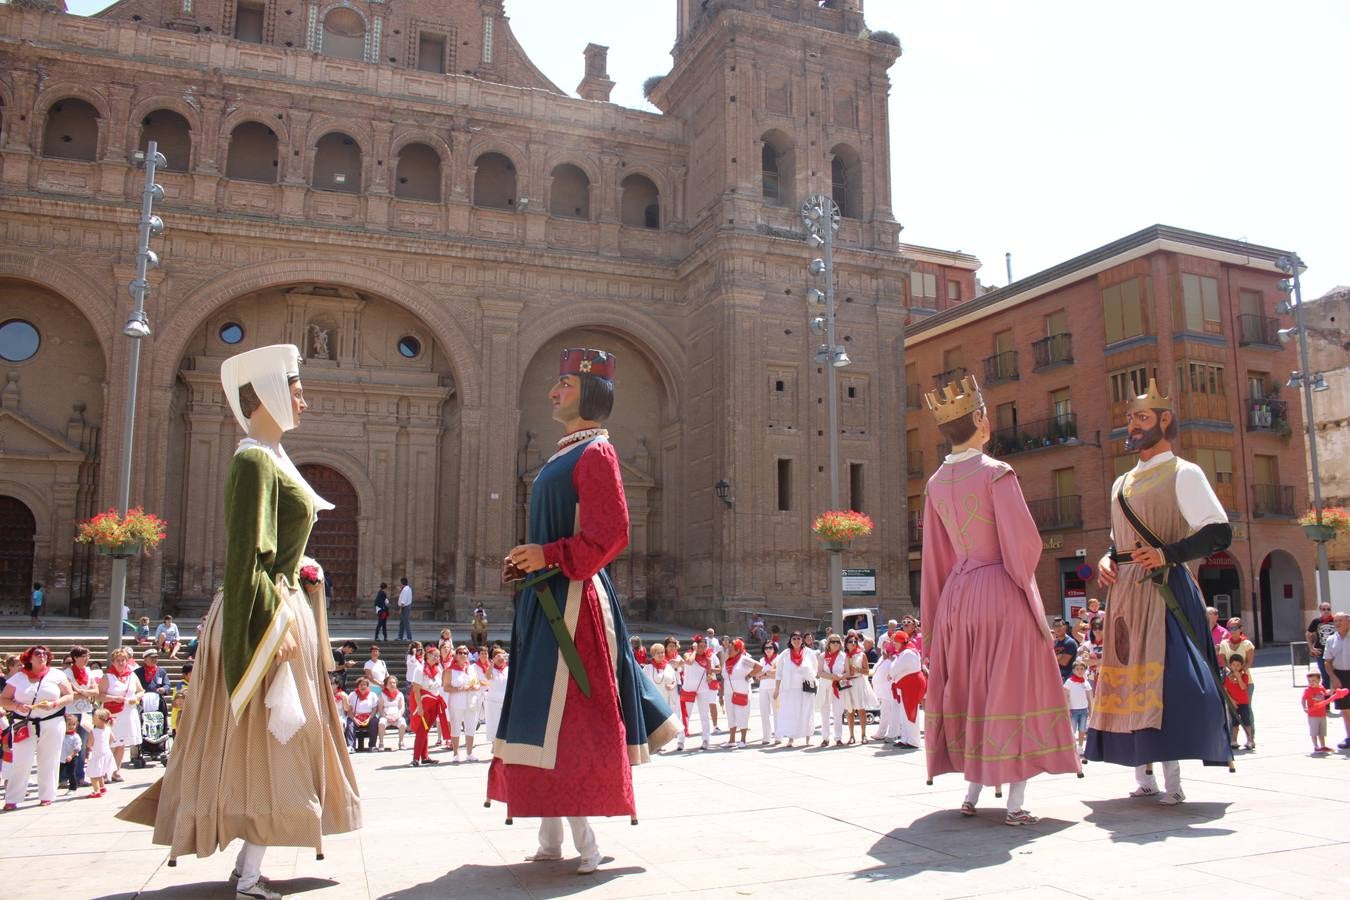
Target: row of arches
x=778, y=173
x=253, y=154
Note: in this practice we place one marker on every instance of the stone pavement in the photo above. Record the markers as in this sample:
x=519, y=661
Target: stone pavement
x=772, y=822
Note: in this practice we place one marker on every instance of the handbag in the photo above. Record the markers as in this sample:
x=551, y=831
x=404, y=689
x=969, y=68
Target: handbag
x=808, y=686
x=740, y=699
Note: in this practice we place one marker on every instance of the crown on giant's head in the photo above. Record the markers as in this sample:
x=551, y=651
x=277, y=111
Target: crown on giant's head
x=1153, y=399
x=957, y=399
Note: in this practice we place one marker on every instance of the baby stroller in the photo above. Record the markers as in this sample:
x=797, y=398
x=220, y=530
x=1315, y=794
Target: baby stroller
x=155, y=739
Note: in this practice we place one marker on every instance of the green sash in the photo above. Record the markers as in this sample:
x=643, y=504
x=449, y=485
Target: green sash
x=566, y=646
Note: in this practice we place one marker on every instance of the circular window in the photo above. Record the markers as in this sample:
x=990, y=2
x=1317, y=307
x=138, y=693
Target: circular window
x=232, y=332
x=410, y=347
x=19, y=340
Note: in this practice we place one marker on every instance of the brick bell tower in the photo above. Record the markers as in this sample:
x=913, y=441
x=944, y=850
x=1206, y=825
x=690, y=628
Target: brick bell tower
x=782, y=98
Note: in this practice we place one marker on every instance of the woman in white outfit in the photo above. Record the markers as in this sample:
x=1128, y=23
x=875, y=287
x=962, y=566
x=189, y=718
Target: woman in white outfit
x=833, y=682
x=35, y=698
x=795, y=690
x=392, y=706
x=667, y=680
x=121, y=696
x=460, y=683
x=694, y=689
x=858, y=697
x=768, y=684
x=739, y=669
x=495, y=695
x=881, y=686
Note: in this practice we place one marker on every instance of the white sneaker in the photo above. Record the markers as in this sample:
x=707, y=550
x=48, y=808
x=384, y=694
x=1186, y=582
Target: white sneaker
x=1172, y=798
x=543, y=856
x=259, y=891
x=742, y=744
x=589, y=864
x=1143, y=791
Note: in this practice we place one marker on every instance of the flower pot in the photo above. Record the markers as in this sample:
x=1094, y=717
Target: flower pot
x=1320, y=533
x=834, y=546
x=120, y=551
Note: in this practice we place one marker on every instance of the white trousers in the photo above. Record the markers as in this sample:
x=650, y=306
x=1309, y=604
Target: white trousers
x=249, y=865
x=704, y=717
x=47, y=749
x=831, y=714
x=493, y=716
x=551, y=835
x=463, y=718
x=1171, y=777
x=766, y=711
x=906, y=730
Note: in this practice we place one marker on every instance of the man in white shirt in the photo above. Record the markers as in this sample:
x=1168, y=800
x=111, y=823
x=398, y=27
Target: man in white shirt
x=405, y=611
x=376, y=670
x=1336, y=652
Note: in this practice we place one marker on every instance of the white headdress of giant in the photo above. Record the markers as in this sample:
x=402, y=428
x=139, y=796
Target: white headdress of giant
x=270, y=370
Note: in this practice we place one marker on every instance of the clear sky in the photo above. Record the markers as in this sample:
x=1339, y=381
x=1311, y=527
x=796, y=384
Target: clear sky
x=1049, y=127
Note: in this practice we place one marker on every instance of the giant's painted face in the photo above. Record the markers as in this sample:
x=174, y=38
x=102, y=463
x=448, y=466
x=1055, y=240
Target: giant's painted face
x=565, y=396
x=1145, y=429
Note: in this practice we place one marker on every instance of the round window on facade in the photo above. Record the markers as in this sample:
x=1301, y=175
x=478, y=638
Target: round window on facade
x=19, y=341
x=232, y=332
x=410, y=347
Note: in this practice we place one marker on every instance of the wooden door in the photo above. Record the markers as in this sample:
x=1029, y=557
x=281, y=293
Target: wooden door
x=17, y=527
x=333, y=542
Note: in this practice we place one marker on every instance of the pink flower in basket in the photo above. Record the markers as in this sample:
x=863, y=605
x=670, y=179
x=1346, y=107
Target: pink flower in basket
x=839, y=526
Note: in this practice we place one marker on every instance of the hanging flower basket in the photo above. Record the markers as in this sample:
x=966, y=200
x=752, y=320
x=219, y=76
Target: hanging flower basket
x=120, y=537
x=1335, y=521
x=835, y=528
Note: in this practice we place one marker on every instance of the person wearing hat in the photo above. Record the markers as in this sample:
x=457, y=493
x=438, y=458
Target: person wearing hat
x=262, y=721
x=995, y=708
x=1158, y=694
x=577, y=712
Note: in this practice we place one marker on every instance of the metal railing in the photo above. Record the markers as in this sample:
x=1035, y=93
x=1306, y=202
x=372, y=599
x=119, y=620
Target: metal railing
x=1001, y=367
x=1254, y=329
x=1265, y=414
x=915, y=535
x=1272, y=500
x=1053, y=350
x=1057, y=512
x=1034, y=435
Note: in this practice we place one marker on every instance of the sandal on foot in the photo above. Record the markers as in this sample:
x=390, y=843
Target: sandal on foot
x=967, y=809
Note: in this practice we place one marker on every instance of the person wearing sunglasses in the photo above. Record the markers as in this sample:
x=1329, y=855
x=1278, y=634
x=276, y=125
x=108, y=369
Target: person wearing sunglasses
x=795, y=690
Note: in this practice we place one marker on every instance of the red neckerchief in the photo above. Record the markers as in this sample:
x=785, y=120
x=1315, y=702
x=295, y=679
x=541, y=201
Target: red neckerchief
x=121, y=672
x=769, y=655
x=732, y=660
x=659, y=664
x=459, y=666
x=1077, y=679
x=389, y=695
x=830, y=658
x=796, y=653
x=704, y=659
x=150, y=672
x=431, y=670
x=500, y=666
x=484, y=664
x=33, y=673
x=363, y=694
x=81, y=674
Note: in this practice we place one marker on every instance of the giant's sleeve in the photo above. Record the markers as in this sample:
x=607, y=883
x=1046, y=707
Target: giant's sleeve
x=603, y=512
x=254, y=619
x=939, y=556
x=1019, y=540
x=1203, y=512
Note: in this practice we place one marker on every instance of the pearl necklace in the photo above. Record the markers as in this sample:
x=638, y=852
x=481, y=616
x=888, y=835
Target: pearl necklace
x=585, y=434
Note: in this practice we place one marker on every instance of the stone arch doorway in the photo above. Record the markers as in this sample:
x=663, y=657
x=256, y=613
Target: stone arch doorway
x=336, y=538
x=18, y=528
x=1281, y=615
x=641, y=432
x=1221, y=584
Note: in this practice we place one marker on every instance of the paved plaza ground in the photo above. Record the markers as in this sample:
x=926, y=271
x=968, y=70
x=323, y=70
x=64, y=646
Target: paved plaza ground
x=771, y=823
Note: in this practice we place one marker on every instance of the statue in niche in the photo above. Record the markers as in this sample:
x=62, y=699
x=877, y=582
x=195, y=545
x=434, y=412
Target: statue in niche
x=319, y=348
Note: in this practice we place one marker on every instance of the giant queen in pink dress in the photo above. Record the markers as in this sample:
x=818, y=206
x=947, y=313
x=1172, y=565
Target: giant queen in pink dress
x=995, y=709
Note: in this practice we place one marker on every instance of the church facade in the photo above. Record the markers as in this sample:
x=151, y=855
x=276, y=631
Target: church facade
x=397, y=189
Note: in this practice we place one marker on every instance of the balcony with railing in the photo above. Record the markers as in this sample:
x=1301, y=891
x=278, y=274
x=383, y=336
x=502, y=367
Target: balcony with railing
x=913, y=396
x=942, y=379
x=1265, y=414
x=1272, y=500
x=914, y=468
x=1262, y=331
x=1055, y=350
x=1057, y=512
x=1000, y=367
x=915, y=533
x=1034, y=435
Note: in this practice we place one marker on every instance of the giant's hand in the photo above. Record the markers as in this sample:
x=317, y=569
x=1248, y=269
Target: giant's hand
x=1106, y=571
x=289, y=646
x=529, y=557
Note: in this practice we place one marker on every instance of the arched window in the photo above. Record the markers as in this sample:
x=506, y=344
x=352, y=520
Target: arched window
x=846, y=180
x=337, y=164
x=253, y=153
x=344, y=34
x=570, y=197
x=170, y=130
x=641, y=207
x=494, y=182
x=418, y=176
x=72, y=130
x=776, y=168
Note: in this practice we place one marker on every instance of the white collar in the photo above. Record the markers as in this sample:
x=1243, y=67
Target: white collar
x=968, y=453
x=1165, y=456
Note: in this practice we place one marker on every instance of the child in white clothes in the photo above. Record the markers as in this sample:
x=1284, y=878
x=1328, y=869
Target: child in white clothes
x=1078, y=692
x=99, y=764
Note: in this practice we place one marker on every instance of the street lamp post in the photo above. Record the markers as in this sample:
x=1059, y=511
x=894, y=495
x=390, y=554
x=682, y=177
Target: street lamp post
x=821, y=215
x=137, y=328
x=1309, y=382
